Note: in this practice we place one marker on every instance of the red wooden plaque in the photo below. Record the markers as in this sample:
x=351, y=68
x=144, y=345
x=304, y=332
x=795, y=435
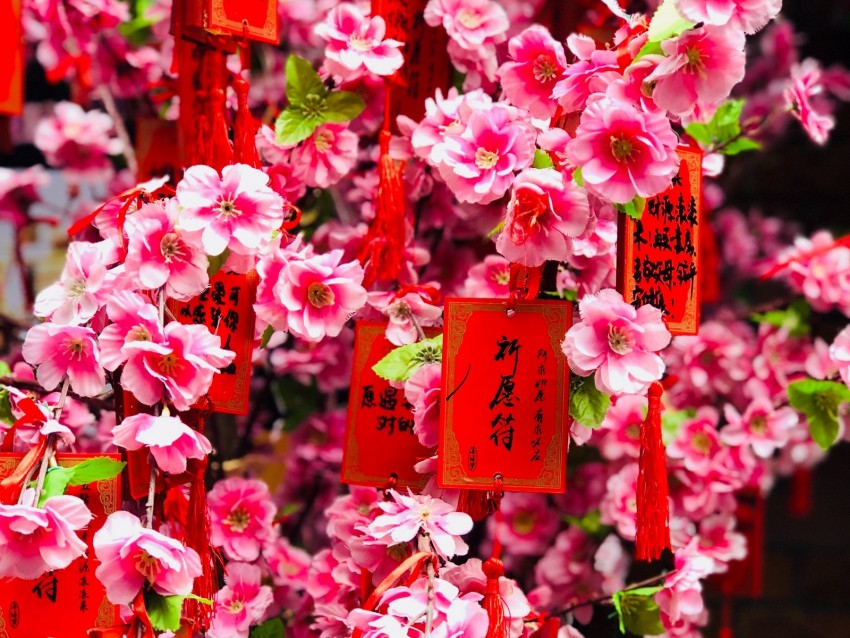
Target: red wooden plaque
x=505, y=388
x=70, y=601
x=227, y=309
x=251, y=19
x=12, y=56
x=379, y=437
x=659, y=253
x=158, y=149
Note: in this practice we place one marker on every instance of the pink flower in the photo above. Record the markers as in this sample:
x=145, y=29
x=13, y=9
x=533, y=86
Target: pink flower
x=241, y=603
x=619, y=505
x=170, y=441
x=320, y=294
x=748, y=15
x=326, y=156
x=182, y=364
x=471, y=24
x=356, y=43
x=131, y=555
x=479, y=164
x=85, y=285
x=36, y=540
x=697, y=442
x=617, y=342
x=423, y=390
x=701, y=68
x=236, y=211
x=527, y=525
x=819, y=267
x=289, y=565
x=623, y=151
x=404, y=311
x=76, y=139
x=839, y=354
x=719, y=541
x=620, y=431
x=806, y=100
x=133, y=319
x=241, y=515
x=592, y=73
x=443, y=116
x=763, y=427
x=405, y=516
x=488, y=278
x=537, y=63
x=544, y=210
x=158, y=255
x=60, y=350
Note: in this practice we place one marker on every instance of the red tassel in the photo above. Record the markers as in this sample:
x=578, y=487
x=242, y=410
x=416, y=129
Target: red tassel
x=244, y=128
x=198, y=538
x=493, y=603
x=382, y=252
x=476, y=503
x=553, y=626
x=653, y=516
x=800, y=503
x=221, y=151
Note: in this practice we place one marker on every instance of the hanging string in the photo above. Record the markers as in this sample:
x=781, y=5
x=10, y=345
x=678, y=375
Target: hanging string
x=494, y=569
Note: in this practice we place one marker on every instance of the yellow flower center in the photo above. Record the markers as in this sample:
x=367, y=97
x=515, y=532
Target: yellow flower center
x=544, y=69
x=76, y=348
x=238, y=520
x=524, y=522
x=320, y=295
x=170, y=247
x=470, y=19
x=619, y=341
x=701, y=443
x=758, y=424
x=622, y=149
x=147, y=565
x=485, y=159
x=324, y=141
x=227, y=209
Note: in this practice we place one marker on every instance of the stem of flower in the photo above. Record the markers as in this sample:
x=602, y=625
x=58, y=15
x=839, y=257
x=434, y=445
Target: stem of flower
x=424, y=545
x=121, y=130
x=419, y=331
x=151, y=494
x=608, y=599
x=50, y=448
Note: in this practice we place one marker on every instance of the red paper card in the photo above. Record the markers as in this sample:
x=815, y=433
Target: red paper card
x=505, y=394
x=70, y=601
x=12, y=56
x=251, y=19
x=659, y=253
x=227, y=309
x=379, y=437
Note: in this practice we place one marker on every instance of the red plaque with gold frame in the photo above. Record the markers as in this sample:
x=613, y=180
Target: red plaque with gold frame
x=251, y=19
x=379, y=439
x=505, y=395
x=70, y=601
x=12, y=54
x=659, y=254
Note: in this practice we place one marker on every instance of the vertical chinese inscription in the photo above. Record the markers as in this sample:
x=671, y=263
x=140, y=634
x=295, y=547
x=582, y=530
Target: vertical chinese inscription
x=659, y=253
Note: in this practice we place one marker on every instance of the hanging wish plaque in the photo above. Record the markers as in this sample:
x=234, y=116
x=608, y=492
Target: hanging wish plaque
x=505, y=395
x=659, y=254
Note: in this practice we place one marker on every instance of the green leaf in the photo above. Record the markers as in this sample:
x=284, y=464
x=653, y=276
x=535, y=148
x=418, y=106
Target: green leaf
x=667, y=22
x=638, y=612
x=99, y=468
x=700, y=132
x=216, y=262
x=633, y=208
x=741, y=145
x=590, y=523
x=272, y=628
x=5, y=370
x=671, y=422
x=343, y=106
x=164, y=611
x=542, y=159
x=55, y=483
x=6, y=406
x=819, y=401
x=723, y=132
x=650, y=48
x=496, y=230
x=588, y=405
x=293, y=126
x=267, y=335
x=302, y=81
x=794, y=318
x=403, y=361
x=577, y=177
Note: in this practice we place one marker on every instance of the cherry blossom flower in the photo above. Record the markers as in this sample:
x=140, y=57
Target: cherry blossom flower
x=544, y=210
x=488, y=278
x=472, y=24
x=617, y=343
x=806, y=100
x=593, y=71
x=405, y=309
x=326, y=156
x=236, y=210
x=819, y=267
x=131, y=555
x=527, y=526
x=748, y=15
x=763, y=427
x=701, y=67
x=241, y=603
x=241, y=515
x=85, y=285
x=620, y=430
x=623, y=151
x=182, y=364
x=619, y=505
x=170, y=441
x=839, y=354
x=443, y=116
x=405, y=516
x=536, y=63
x=157, y=254
x=36, y=540
x=133, y=319
x=320, y=294
x=697, y=442
x=479, y=164
x=719, y=541
x=357, y=43
x=289, y=565
x=423, y=390
x=60, y=350
x=78, y=140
